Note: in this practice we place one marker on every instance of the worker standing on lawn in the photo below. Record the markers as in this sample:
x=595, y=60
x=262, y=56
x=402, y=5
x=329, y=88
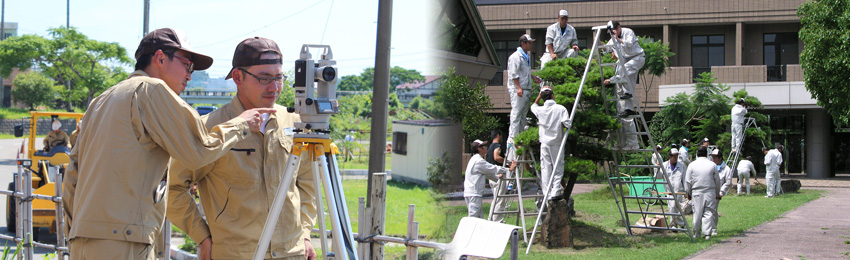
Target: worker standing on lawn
x=477, y=170
x=703, y=188
x=725, y=174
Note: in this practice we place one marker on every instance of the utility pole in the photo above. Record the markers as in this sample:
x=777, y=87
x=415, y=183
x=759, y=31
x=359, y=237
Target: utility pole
x=147, y=19
x=68, y=15
x=378, y=137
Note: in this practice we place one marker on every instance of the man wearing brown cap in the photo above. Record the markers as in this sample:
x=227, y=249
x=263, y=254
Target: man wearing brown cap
x=114, y=185
x=237, y=189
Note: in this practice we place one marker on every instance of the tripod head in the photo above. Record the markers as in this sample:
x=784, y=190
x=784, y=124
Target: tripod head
x=315, y=89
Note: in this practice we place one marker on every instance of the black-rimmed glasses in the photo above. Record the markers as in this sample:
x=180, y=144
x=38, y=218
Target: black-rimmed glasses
x=265, y=80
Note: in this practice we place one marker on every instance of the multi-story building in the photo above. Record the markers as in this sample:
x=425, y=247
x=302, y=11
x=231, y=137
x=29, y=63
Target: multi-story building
x=747, y=44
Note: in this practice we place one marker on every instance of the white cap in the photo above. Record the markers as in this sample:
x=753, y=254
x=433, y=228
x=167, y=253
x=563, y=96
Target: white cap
x=657, y=147
x=477, y=143
x=674, y=151
x=56, y=125
x=563, y=13
x=715, y=152
x=686, y=141
x=705, y=139
x=526, y=38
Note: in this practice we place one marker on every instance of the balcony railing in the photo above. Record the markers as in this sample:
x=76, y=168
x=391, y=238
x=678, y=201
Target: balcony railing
x=777, y=73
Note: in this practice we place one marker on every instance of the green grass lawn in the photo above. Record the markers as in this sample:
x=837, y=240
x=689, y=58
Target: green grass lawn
x=361, y=162
x=599, y=234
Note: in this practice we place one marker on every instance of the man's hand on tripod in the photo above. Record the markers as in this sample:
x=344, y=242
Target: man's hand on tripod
x=254, y=117
x=310, y=252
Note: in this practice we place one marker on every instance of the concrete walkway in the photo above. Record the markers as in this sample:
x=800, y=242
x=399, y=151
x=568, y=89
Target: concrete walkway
x=819, y=229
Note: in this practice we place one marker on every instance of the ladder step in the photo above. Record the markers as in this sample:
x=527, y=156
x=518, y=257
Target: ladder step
x=524, y=161
x=652, y=213
x=659, y=228
x=639, y=166
x=650, y=198
x=643, y=182
x=533, y=196
x=608, y=64
x=528, y=179
x=529, y=214
x=505, y=212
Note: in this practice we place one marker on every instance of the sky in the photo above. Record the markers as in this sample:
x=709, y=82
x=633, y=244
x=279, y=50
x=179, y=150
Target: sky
x=215, y=27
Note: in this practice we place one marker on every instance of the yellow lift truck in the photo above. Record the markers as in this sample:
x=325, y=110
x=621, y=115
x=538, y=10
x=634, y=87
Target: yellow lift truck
x=45, y=167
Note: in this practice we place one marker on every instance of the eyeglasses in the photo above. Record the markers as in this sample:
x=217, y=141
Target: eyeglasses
x=265, y=80
x=190, y=67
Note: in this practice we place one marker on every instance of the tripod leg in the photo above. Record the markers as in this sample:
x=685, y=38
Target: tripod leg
x=277, y=204
x=339, y=247
x=342, y=208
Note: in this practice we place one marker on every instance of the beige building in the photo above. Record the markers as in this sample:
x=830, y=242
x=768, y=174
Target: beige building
x=747, y=44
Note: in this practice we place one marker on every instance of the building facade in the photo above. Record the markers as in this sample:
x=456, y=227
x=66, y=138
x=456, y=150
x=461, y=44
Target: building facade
x=747, y=44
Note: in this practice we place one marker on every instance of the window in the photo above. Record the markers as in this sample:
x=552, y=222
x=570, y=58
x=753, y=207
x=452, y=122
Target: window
x=503, y=49
x=780, y=49
x=455, y=30
x=707, y=51
x=400, y=143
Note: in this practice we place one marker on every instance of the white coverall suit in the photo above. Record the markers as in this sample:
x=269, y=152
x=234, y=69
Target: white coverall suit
x=726, y=183
x=683, y=156
x=634, y=60
x=745, y=167
x=519, y=67
x=562, y=42
x=477, y=170
x=738, y=112
x=772, y=160
x=703, y=186
x=552, y=118
x=676, y=176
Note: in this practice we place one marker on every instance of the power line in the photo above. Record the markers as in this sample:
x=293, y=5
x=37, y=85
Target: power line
x=263, y=27
x=326, y=22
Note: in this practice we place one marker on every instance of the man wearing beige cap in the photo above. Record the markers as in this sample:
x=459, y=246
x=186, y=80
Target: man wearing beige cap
x=115, y=183
x=56, y=137
x=519, y=85
x=561, y=40
x=238, y=187
x=477, y=170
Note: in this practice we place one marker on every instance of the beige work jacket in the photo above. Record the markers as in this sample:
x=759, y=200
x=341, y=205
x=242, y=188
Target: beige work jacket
x=53, y=136
x=112, y=186
x=237, y=191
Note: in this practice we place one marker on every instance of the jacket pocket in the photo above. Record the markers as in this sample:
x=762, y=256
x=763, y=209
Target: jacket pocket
x=242, y=166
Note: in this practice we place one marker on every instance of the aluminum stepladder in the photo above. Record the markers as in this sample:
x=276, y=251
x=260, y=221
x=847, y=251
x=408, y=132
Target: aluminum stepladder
x=735, y=154
x=621, y=151
x=502, y=194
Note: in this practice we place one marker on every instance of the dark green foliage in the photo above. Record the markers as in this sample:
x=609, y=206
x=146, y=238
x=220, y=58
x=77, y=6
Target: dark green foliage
x=657, y=59
x=591, y=124
x=826, y=57
x=366, y=80
x=33, y=89
x=440, y=172
x=464, y=104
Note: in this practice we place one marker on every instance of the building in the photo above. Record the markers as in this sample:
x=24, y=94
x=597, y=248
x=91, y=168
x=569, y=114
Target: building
x=408, y=91
x=9, y=30
x=432, y=138
x=747, y=44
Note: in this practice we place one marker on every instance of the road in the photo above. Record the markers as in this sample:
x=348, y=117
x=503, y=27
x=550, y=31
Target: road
x=8, y=154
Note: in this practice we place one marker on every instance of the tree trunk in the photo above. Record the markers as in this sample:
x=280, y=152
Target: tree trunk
x=556, y=228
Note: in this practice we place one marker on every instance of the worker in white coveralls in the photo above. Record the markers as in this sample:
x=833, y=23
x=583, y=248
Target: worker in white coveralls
x=683, y=152
x=561, y=41
x=745, y=168
x=626, y=76
x=725, y=173
x=772, y=161
x=657, y=159
x=552, y=119
x=477, y=170
x=738, y=112
x=519, y=87
x=702, y=184
x=675, y=171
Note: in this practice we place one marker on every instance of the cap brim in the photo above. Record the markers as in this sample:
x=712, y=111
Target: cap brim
x=229, y=73
x=202, y=62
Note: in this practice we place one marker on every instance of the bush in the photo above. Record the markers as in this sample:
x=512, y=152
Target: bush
x=439, y=172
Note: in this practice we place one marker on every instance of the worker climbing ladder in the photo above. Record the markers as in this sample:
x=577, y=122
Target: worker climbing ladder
x=510, y=188
x=735, y=154
x=631, y=175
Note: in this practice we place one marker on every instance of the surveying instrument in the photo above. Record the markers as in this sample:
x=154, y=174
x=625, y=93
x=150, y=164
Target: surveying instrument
x=315, y=105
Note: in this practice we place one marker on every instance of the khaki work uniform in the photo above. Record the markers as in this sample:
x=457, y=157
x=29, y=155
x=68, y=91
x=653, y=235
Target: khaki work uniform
x=53, y=136
x=238, y=189
x=114, y=184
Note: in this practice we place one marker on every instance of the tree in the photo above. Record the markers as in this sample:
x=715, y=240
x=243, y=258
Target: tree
x=33, y=89
x=200, y=78
x=705, y=113
x=657, y=60
x=87, y=66
x=824, y=27
x=753, y=137
x=365, y=81
x=466, y=105
x=287, y=94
